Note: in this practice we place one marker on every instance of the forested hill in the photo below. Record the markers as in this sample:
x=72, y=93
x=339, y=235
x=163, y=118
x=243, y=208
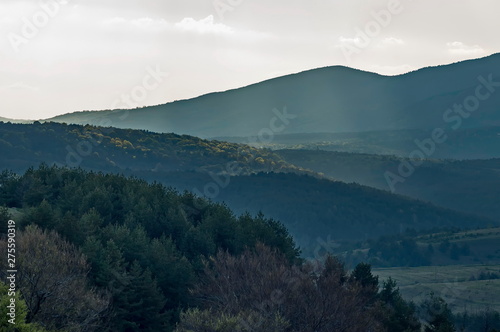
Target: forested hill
x=325, y=100
x=112, y=149
x=115, y=254
x=314, y=208
x=471, y=186
x=145, y=246
x=309, y=207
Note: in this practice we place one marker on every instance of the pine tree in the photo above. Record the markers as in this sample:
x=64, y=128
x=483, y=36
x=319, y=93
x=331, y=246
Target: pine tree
x=140, y=306
x=400, y=315
x=438, y=315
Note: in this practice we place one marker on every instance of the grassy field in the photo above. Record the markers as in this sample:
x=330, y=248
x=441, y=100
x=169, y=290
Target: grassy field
x=457, y=284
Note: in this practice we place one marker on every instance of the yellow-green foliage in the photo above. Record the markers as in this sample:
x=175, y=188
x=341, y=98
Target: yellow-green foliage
x=205, y=320
x=21, y=312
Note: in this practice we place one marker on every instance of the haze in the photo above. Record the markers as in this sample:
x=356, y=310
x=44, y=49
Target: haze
x=89, y=53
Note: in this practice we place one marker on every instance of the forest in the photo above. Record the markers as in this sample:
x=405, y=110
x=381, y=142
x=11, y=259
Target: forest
x=101, y=252
x=245, y=178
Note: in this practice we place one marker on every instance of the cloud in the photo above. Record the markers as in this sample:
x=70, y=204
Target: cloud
x=392, y=41
x=463, y=49
x=144, y=23
x=352, y=41
x=20, y=86
x=360, y=43
x=203, y=26
x=149, y=23
x=115, y=21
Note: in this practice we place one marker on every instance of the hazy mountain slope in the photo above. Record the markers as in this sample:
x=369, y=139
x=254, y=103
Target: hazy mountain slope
x=331, y=99
x=2, y=119
x=314, y=208
x=309, y=207
x=471, y=186
x=472, y=143
x=111, y=149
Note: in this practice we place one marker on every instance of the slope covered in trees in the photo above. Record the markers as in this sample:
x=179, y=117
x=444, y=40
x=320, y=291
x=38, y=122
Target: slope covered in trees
x=111, y=149
x=472, y=186
x=464, y=143
x=313, y=208
x=144, y=246
x=308, y=206
x=111, y=253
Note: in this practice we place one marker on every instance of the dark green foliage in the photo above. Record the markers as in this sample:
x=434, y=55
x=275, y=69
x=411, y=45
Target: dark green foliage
x=437, y=315
x=396, y=251
x=470, y=186
x=144, y=242
x=400, y=315
x=310, y=207
x=5, y=216
x=112, y=149
x=484, y=321
x=362, y=274
x=216, y=169
x=444, y=246
x=140, y=304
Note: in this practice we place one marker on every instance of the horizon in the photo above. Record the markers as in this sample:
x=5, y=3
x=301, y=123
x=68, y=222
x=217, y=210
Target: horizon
x=63, y=56
x=255, y=83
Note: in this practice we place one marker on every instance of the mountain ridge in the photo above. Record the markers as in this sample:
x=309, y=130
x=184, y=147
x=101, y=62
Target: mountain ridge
x=328, y=99
x=287, y=75
x=265, y=182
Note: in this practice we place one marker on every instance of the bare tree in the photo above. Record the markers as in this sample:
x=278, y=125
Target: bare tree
x=262, y=289
x=52, y=279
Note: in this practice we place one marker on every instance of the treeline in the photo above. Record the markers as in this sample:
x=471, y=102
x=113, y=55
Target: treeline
x=309, y=207
x=113, y=149
x=452, y=181
x=144, y=244
x=312, y=207
x=403, y=250
x=100, y=252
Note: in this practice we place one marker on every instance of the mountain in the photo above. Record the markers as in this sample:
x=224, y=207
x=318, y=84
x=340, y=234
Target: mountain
x=317, y=210
x=310, y=207
x=2, y=119
x=115, y=150
x=331, y=99
x=471, y=143
x=471, y=186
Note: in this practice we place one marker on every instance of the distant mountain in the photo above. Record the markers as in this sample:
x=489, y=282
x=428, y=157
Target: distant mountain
x=116, y=150
x=309, y=207
x=472, y=143
x=331, y=99
x=317, y=210
x=471, y=186
x=2, y=119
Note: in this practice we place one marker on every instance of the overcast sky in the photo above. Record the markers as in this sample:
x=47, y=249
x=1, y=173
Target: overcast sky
x=60, y=56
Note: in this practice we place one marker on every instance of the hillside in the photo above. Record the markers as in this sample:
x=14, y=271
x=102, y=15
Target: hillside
x=472, y=143
x=112, y=149
x=309, y=207
x=331, y=99
x=145, y=246
x=471, y=186
x=2, y=119
x=315, y=210
x=456, y=284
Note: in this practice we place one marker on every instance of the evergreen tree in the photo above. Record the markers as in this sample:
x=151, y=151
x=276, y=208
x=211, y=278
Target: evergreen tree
x=437, y=314
x=140, y=306
x=400, y=315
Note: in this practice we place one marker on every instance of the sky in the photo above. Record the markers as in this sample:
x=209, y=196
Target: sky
x=61, y=56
